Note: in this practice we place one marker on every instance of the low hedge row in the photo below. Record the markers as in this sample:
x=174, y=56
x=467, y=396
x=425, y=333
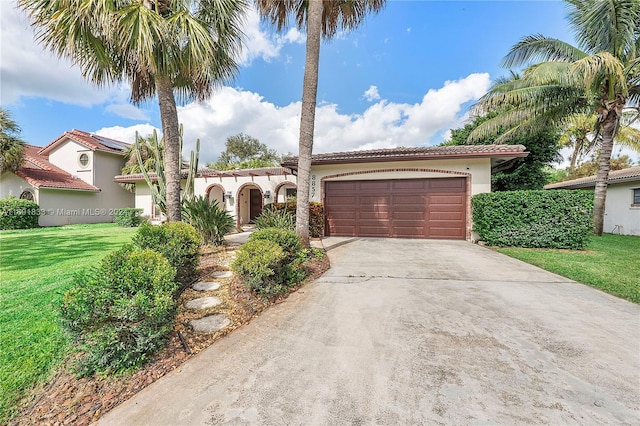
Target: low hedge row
x=16, y=213
x=129, y=217
x=539, y=219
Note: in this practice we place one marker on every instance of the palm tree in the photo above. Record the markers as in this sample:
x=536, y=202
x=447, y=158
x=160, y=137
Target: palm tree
x=321, y=18
x=166, y=48
x=580, y=135
x=11, y=146
x=601, y=76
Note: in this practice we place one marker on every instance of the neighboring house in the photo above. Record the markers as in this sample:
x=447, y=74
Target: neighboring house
x=622, y=205
x=71, y=179
x=399, y=192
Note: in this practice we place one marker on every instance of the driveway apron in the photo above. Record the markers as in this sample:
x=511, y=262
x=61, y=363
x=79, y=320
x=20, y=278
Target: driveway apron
x=414, y=332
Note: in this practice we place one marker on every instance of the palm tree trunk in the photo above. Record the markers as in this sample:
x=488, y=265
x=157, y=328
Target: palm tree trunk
x=171, y=136
x=609, y=121
x=574, y=156
x=307, y=117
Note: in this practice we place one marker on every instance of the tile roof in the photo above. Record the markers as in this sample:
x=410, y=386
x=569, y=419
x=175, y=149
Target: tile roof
x=39, y=172
x=624, y=175
x=414, y=153
x=207, y=172
x=91, y=141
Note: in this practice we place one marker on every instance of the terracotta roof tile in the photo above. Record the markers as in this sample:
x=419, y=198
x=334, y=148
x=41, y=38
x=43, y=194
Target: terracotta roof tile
x=624, y=175
x=91, y=141
x=39, y=172
x=207, y=172
x=414, y=153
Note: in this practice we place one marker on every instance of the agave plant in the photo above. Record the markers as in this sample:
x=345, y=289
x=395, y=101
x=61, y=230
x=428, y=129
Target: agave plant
x=210, y=220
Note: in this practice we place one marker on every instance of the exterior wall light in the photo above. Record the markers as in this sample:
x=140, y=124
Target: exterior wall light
x=267, y=194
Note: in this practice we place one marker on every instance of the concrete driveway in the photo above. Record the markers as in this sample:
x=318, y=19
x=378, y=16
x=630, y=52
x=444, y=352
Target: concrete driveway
x=414, y=332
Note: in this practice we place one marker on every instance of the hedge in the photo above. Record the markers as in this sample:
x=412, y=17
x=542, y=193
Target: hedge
x=316, y=215
x=540, y=219
x=16, y=213
x=129, y=217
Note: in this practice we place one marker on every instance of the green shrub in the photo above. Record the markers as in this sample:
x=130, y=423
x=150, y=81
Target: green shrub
x=544, y=219
x=128, y=217
x=178, y=242
x=287, y=240
x=121, y=312
x=258, y=263
x=276, y=218
x=316, y=215
x=16, y=213
x=210, y=220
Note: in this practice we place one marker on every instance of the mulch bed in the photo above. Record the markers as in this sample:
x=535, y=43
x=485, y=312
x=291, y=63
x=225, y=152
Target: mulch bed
x=68, y=400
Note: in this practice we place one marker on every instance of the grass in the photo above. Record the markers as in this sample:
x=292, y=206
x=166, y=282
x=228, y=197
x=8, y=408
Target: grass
x=36, y=268
x=610, y=263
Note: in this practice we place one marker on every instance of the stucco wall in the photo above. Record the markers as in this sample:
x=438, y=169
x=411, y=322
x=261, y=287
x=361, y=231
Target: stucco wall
x=620, y=217
x=12, y=185
x=66, y=157
x=112, y=195
x=64, y=207
x=479, y=169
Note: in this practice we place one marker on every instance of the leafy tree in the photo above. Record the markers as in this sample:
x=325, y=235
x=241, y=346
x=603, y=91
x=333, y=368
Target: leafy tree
x=244, y=152
x=599, y=76
x=522, y=173
x=590, y=168
x=11, y=146
x=320, y=19
x=161, y=48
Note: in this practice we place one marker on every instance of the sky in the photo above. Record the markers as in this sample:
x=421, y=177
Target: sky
x=405, y=77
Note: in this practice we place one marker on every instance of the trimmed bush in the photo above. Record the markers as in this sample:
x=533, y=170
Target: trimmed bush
x=129, y=217
x=542, y=219
x=316, y=215
x=287, y=240
x=276, y=218
x=16, y=213
x=121, y=312
x=178, y=242
x=210, y=220
x=257, y=263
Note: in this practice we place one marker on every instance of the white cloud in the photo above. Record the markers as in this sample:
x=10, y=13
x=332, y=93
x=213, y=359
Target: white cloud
x=371, y=94
x=128, y=134
x=384, y=124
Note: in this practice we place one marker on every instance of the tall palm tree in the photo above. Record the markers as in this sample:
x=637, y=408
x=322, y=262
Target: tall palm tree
x=11, y=145
x=320, y=18
x=165, y=48
x=601, y=75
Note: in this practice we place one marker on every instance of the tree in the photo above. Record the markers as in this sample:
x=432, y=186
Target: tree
x=321, y=18
x=530, y=172
x=244, y=152
x=11, y=145
x=166, y=48
x=590, y=168
x=600, y=77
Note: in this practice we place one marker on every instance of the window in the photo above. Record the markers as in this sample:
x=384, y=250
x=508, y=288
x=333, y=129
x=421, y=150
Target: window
x=27, y=195
x=83, y=160
x=636, y=196
x=291, y=192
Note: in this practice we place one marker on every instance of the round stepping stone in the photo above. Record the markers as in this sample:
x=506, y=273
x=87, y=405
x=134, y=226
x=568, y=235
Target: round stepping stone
x=210, y=324
x=222, y=274
x=206, y=286
x=203, y=303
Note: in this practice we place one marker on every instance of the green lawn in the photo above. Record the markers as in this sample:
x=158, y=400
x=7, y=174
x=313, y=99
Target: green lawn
x=610, y=263
x=36, y=268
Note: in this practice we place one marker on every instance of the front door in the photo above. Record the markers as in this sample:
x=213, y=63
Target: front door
x=255, y=204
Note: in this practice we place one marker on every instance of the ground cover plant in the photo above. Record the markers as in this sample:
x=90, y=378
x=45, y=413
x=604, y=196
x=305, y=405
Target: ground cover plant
x=37, y=266
x=606, y=264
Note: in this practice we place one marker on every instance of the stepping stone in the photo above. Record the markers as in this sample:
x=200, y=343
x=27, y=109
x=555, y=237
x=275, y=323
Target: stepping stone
x=206, y=286
x=210, y=324
x=203, y=303
x=222, y=274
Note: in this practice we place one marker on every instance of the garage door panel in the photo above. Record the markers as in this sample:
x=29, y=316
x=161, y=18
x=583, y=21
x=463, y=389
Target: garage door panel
x=411, y=208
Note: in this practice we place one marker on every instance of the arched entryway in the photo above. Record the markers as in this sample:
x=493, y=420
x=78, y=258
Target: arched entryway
x=249, y=204
x=284, y=191
x=215, y=192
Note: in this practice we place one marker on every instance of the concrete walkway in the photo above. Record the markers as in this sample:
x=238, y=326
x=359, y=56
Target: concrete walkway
x=414, y=332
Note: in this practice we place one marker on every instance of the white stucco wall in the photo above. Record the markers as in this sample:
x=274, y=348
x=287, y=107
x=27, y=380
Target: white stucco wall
x=66, y=156
x=112, y=195
x=480, y=170
x=65, y=207
x=12, y=185
x=620, y=217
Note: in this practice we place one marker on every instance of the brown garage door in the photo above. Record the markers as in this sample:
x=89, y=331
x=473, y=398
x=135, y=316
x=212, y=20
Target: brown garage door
x=407, y=208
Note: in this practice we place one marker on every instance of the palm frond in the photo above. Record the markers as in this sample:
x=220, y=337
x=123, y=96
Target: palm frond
x=538, y=48
x=601, y=69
